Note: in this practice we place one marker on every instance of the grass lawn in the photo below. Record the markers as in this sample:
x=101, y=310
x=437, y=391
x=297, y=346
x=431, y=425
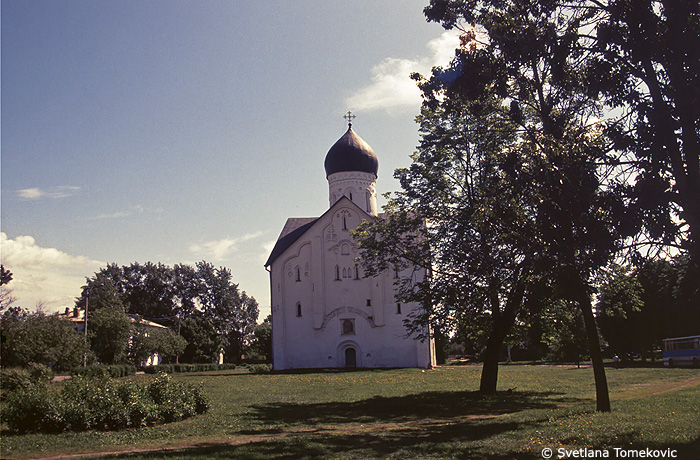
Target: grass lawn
x=407, y=413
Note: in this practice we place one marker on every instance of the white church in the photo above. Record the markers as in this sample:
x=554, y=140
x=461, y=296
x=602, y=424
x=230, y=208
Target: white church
x=324, y=313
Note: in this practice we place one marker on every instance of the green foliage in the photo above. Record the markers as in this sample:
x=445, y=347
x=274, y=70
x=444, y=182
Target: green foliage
x=261, y=347
x=86, y=403
x=147, y=341
x=109, y=332
x=259, y=368
x=38, y=338
x=637, y=308
x=180, y=368
x=201, y=301
x=106, y=370
x=564, y=333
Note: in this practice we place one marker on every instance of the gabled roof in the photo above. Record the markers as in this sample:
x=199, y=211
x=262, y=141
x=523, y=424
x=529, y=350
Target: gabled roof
x=290, y=234
x=287, y=240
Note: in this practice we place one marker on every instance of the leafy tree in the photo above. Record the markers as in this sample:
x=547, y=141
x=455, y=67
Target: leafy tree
x=261, y=345
x=460, y=217
x=638, y=308
x=6, y=297
x=146, y=341
x=168, y=296
x=38, y=338
x=203, y=343
x=647, y=65
x=564, y=333
x=538, y=56
x=109, y=331
x=232, y=314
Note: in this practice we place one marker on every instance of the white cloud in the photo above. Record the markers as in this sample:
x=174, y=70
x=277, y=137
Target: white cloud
x=221, y=249
x=36, y=193
x=392, y=87
x=42, y=274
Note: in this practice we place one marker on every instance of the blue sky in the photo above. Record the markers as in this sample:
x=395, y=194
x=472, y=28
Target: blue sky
x=177, y=131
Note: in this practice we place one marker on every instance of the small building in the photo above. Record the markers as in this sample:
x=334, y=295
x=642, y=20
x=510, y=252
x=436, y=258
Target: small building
x=77, y=317
x=325, y=314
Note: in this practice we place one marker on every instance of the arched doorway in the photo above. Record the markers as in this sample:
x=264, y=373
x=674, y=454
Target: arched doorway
x=350, y=357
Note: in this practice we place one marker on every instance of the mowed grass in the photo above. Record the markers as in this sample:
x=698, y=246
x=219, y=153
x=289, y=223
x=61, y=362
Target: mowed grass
x=407, y=413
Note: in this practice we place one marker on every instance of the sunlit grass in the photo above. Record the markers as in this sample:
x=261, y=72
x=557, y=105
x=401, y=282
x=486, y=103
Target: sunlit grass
x=407, y=413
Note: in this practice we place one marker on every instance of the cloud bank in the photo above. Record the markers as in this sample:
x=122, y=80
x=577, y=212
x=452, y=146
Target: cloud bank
x=44, y=275
x=392, y=88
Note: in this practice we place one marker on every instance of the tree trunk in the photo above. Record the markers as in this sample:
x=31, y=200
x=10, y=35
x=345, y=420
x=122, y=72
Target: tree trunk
x=489, y=371
x=601, y=382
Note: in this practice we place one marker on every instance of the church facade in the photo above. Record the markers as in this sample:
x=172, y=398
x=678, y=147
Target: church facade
x=325, y=314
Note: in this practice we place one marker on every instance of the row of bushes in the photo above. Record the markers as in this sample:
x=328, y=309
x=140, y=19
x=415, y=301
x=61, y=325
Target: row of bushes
x=87, y=403
x=178, y=368
x=106, y=370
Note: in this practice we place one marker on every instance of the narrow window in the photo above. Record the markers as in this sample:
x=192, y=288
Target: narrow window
x=337, y=273
x=368, y=201
x=357, y=272
x=298, y=271
x=369, y=302
x=345, y=273
x=398, y=308
x=345, y=223
x=299, y=309
x=350, y=196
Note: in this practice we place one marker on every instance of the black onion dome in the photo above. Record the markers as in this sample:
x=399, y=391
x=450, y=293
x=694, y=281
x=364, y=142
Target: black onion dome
x=351, y=153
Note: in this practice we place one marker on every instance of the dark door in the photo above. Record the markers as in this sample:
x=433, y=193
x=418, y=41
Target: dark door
x=350, y=357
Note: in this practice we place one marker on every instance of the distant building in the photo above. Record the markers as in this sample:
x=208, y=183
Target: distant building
x=77, y=317
x=324, y=313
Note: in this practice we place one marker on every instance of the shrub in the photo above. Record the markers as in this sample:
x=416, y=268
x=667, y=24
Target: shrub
x=101, y=370
x=86, y=403
x=15, y=378
x=259, y=368
x=40, y=373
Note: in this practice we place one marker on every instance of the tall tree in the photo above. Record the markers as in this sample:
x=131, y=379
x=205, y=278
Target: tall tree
x=647, y=65
x=462, y=218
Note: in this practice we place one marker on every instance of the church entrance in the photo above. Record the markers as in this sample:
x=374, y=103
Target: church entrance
x=350, y=357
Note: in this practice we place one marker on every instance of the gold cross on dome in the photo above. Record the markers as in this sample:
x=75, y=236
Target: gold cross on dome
x=349, y=117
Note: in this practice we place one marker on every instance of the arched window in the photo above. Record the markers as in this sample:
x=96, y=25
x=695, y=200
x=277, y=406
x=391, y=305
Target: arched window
x=299, y=309
x=345, y=223
x=357, y=272
x=398, y=308
x=348, y=327
x=345, y=273
x=298, y=273
x=368, y=201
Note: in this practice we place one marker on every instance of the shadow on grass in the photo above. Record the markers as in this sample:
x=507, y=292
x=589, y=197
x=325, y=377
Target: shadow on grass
x=409, y=408
x=452, y=442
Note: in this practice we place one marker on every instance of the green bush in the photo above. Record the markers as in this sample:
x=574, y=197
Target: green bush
x=110, y=370
x=88, y=403
x=15, y=378
x=40, y=373
x=259, y=368
x=18, y=378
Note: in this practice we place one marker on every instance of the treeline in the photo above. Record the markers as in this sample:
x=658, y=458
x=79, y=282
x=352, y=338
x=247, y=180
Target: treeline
x=636, y=308
x=200, y=302
x=204, y=312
